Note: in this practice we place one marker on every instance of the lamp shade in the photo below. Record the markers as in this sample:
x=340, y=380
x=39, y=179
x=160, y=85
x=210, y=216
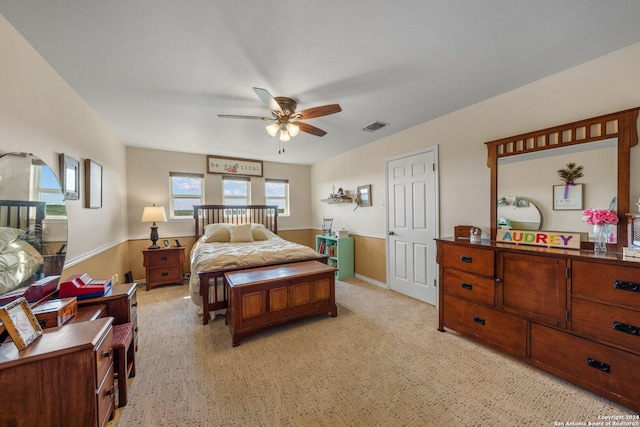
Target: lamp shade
x=273, y=129
x=153, y=213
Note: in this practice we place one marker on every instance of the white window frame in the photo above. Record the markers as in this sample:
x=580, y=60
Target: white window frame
x=172, y=196
x=245, y=199
x=287, y=209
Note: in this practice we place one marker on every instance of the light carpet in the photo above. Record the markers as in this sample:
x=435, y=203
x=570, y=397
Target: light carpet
x=381, y=362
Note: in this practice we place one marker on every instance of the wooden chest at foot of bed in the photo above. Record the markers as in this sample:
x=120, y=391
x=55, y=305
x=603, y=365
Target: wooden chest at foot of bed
x=261, y=298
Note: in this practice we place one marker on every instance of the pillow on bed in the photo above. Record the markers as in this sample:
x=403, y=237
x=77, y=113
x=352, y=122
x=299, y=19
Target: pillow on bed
x=241, y=233
x=259, y=234
x=217, y=233
x=8, y=235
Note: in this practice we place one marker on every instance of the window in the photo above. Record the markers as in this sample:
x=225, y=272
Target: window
x=187, y=189
x=236, y=190
x=46, y=189
x=276, y=192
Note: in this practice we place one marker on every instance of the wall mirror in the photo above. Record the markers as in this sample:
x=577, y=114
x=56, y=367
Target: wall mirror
x=518, y=213
x=526, y=165
x=33, y=226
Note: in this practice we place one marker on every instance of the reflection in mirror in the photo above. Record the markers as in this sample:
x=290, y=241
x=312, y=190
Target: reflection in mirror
x=533, y=175
x=518, y=213
x=33, y=228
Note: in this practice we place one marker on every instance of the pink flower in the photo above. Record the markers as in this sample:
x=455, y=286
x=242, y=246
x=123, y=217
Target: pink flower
x=599, y=216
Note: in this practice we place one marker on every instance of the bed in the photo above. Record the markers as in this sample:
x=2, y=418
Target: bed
x=21, y=261
x=223, y=244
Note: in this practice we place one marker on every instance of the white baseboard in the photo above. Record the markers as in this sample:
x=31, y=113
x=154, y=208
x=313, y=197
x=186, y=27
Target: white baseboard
x=372, y=281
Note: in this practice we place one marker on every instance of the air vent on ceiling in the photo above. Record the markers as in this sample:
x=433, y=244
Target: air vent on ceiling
x=375, y=126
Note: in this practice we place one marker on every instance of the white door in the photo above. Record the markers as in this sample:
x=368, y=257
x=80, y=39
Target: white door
x=412, y=213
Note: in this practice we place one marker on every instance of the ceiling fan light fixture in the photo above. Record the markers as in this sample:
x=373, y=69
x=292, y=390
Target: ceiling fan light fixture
x=293, y=129
x=273, y=129
x=284, y=135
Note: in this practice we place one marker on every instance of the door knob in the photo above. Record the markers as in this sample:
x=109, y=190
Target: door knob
x=391, y=233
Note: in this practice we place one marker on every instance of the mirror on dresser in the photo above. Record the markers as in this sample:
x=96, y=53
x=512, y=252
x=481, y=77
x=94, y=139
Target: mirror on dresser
x=527, y=165
x=534, y=177
x=33, y=228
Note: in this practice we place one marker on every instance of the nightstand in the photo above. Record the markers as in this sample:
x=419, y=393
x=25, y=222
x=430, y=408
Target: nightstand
x=164, y=266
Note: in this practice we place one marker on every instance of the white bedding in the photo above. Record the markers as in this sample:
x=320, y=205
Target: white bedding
x=18, y=262
x=225, y=256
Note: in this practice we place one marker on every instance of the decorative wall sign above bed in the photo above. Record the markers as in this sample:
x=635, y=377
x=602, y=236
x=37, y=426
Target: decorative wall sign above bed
x=231, y=166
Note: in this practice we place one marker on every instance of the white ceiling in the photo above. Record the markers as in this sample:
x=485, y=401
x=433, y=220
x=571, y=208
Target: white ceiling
x=159, y=72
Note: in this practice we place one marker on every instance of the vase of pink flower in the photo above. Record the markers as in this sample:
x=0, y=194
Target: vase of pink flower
x=601, y=219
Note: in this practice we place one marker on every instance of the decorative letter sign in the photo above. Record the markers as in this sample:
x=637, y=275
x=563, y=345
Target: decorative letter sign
x=232, y=166
x=540, y=238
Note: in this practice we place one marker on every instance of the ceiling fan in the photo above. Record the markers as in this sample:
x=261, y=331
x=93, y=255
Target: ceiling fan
x=286, y=120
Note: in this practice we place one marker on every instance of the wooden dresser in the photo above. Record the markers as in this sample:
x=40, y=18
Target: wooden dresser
x=575, y=314
x=164, y=266
x=63, y=378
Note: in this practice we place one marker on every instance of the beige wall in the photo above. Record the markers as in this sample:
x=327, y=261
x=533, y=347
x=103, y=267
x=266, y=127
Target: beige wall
x=41, y=114
x=608, y=84
x=148, y=183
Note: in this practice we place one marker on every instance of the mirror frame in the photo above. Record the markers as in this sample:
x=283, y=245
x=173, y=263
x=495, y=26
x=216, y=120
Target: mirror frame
x=621, y=125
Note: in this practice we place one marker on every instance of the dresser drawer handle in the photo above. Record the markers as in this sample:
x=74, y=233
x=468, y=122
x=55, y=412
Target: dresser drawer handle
x=627, y=329
x=626, y=286
x=108, y=354
x=478, y=320
x=134, y=304
x=599, y=365
x=466, y=286
x=466, y=259
x=164, y=258
x=164, y=274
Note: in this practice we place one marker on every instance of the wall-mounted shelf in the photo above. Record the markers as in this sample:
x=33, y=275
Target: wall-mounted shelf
x=342, y=199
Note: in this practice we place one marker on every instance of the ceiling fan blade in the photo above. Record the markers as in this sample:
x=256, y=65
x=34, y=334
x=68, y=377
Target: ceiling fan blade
x=232, y=116
x=268, y=100
x=324, y=110
x=304, y=127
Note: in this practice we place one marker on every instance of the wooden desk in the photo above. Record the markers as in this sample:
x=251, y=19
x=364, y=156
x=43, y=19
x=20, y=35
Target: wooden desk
x=261, y=298
x=64, y=378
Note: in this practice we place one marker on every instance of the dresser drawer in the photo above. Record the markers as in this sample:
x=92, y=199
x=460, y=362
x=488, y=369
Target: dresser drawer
x=609, y=369
x=104, y=356
x=106, y=398
x=609, y=283
x=505, y=331
x=164, y=257
x=469, y=259
x=607, y=323
x=469, y=286
x=165, y=274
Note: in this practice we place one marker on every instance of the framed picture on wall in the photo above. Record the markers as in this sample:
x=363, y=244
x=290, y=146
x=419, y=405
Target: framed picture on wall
x=568, y=197
x=70, y=177
x=93, y=184
x=364, y=195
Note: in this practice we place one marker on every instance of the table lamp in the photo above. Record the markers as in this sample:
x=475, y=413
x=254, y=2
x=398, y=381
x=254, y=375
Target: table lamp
x=152, y=214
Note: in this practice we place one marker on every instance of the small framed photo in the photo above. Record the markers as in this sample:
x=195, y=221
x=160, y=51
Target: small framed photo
x=20, y=322
x=568, y=197
x=364, y=195
x=70, y=177
x=166, y=243
x=93, y=184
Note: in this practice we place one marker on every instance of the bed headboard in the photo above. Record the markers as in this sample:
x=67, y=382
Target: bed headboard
x=26, y=215
x=242, y=214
